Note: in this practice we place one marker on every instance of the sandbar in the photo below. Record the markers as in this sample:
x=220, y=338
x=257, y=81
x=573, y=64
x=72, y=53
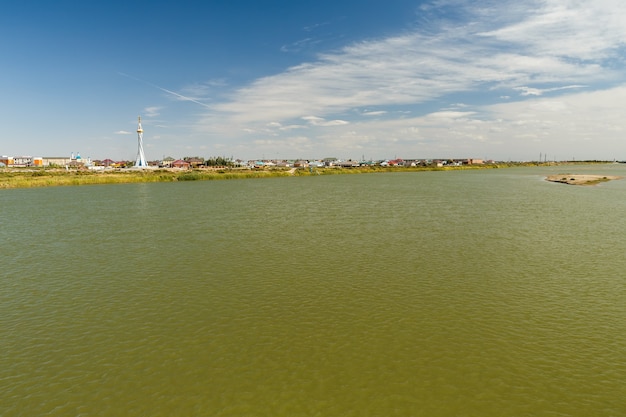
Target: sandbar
x=578, y=179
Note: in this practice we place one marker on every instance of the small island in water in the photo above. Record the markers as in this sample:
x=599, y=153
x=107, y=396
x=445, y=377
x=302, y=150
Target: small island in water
x=577, y=179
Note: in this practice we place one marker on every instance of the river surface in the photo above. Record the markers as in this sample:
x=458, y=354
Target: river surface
x=463, y=293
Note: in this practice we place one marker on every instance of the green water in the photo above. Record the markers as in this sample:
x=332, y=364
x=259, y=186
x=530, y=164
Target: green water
x=467, y=293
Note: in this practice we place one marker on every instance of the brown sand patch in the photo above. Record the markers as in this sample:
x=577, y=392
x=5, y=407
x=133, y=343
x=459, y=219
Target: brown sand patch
x=577, y=179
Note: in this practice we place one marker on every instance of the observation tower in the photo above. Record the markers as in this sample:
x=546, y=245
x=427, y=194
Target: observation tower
x=141, y=157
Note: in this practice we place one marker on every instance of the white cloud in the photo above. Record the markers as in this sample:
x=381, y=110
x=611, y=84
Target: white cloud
x=531, y=47
x=152, y=111
x=449, y=115
x=374, y=113
x=319, y=121
x=568, y=28
x=291, y=147
x=298, y=45
x=292, y=127
x=530, y=91
x=123, y=132
x=172, y=94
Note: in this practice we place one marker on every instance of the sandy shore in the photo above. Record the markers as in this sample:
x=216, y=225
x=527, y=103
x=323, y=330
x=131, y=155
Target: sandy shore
x=576, y=179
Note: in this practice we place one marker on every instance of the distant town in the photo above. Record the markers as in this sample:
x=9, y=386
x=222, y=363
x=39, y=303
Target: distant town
x=75, y=161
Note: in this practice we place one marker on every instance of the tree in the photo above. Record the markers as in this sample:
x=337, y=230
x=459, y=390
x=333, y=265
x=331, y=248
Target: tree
x=218, y=161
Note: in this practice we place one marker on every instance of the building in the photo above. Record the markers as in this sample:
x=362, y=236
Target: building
x=22, y=161
x=56, y=161
x=181, y=164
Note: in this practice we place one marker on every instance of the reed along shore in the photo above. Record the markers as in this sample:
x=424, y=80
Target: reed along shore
x=47, y=177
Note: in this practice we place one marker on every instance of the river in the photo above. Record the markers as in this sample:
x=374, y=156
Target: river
x=461, y=293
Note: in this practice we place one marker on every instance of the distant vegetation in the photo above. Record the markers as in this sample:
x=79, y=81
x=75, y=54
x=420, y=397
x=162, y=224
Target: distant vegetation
x=44, y=177
x=219, y=161
x=26, y=178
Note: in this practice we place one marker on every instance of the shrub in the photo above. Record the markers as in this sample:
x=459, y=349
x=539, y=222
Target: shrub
x=191, y=176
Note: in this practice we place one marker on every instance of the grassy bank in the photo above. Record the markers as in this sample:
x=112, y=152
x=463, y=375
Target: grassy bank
x=43, y=177
x=28, y=178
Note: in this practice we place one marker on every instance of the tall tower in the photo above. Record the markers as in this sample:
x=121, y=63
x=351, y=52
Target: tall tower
x=141, y=158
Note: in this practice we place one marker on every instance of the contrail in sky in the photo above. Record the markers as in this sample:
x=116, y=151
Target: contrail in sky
x=175, y=94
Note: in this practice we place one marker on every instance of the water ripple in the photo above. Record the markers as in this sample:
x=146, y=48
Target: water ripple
x=467, y=293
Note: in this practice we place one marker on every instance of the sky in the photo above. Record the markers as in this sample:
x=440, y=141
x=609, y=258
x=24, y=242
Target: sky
x=352, y=79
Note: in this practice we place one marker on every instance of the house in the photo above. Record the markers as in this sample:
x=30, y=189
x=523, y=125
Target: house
x=195, y=162
x=167, y=161
x=329, y=162
x=349, y=164
x=179, y=163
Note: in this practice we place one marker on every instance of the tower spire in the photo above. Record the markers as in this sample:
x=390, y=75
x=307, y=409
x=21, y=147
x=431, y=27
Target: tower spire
x=141, y=157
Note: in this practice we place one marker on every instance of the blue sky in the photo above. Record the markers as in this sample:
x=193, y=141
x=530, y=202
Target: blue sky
x=493, y=79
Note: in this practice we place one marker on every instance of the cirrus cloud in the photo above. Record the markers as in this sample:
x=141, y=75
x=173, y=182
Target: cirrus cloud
x=495, y=50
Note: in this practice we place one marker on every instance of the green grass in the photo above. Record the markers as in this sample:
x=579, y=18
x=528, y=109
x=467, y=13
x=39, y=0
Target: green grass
x=46, y=177
x=29, y=178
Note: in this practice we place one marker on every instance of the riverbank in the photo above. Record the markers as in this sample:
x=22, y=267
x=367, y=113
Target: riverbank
x=47, y=177
x=40, y=177
x=29, y=178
